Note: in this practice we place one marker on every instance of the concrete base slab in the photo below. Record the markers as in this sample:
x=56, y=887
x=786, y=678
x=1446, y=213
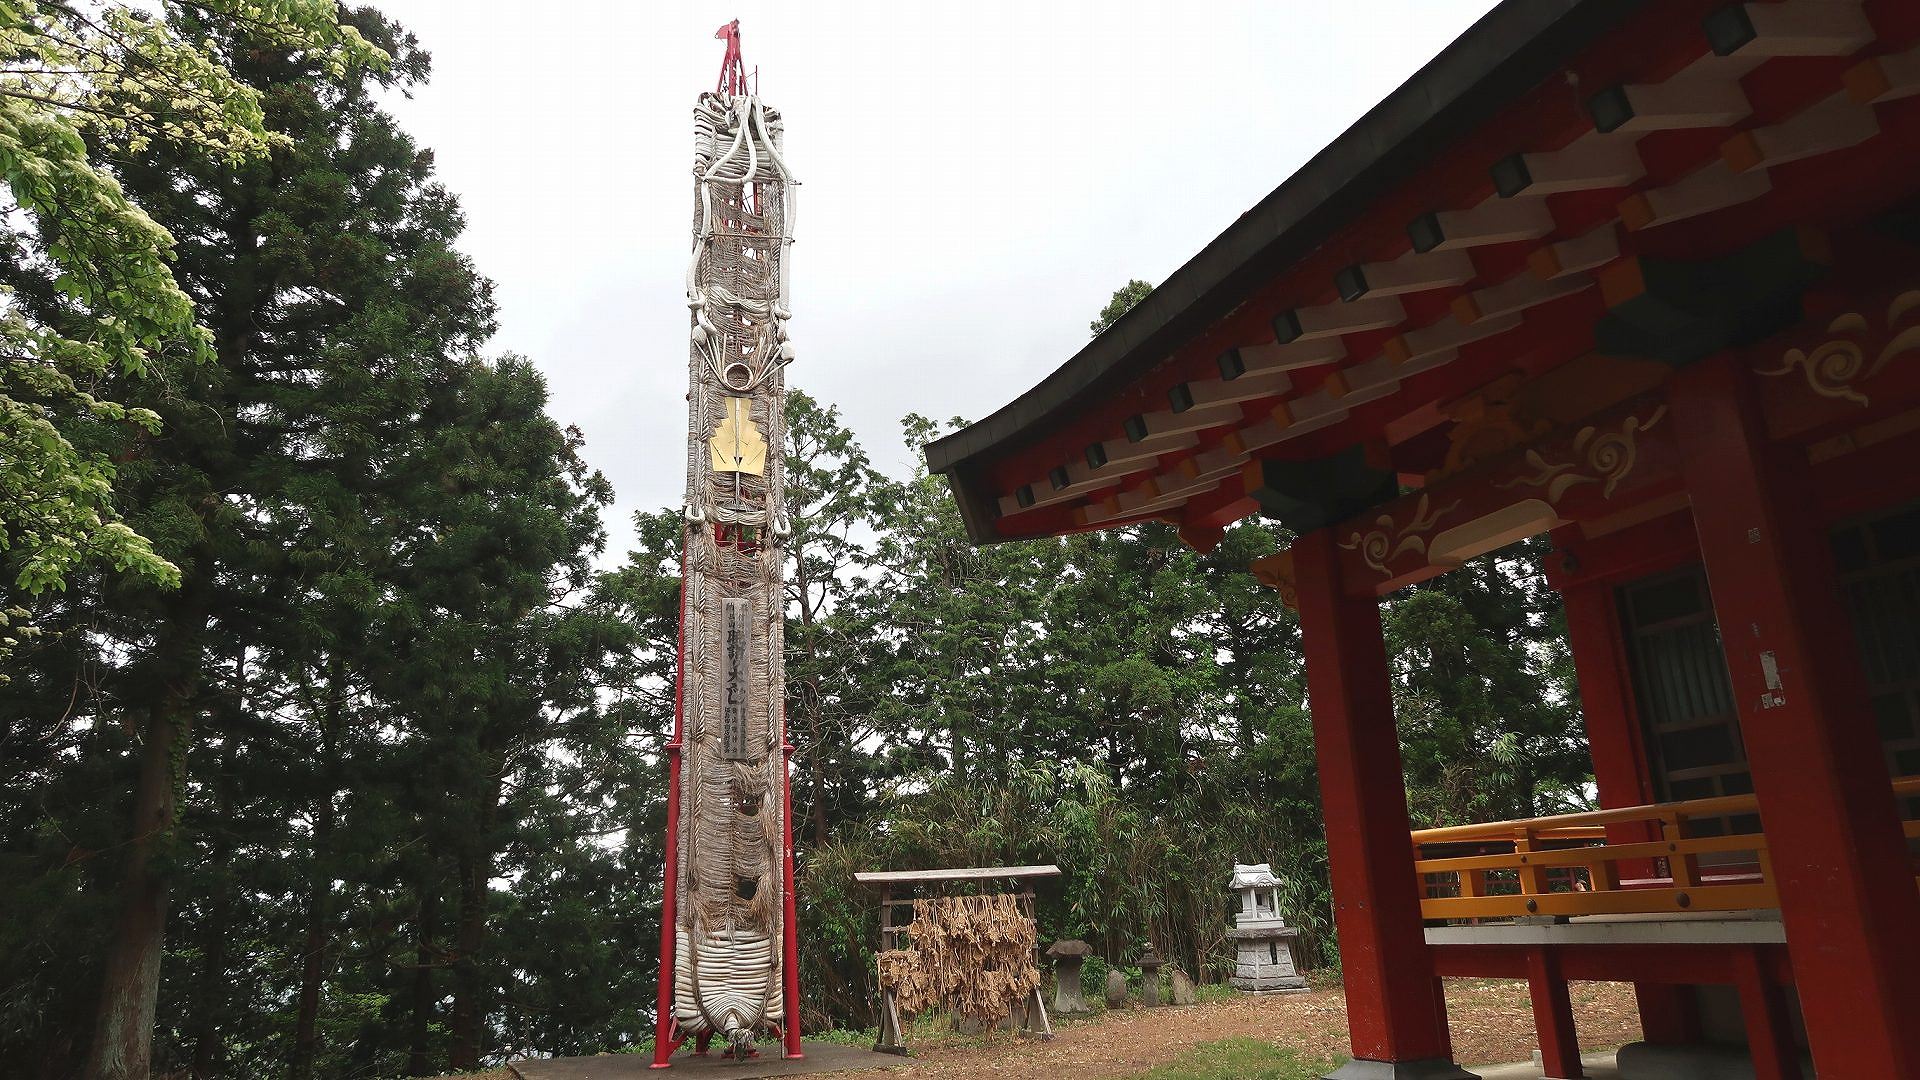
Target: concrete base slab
x=1597, y=1066
x=820, y=1057
x=1433, y=1069
x=1653, y=1061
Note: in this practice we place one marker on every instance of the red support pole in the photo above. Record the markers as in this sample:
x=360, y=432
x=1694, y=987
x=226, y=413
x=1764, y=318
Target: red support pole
x=1606, y=700
x=1847, y=895
x=1620, y=772
x=790, y=922
x=664, y=1040
x=1394, y=1004
x=1764, y=1008
x=1553, y=1017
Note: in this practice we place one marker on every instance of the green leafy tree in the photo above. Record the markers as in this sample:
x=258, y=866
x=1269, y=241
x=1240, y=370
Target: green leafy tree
x=107, y=300
x=1123, y=300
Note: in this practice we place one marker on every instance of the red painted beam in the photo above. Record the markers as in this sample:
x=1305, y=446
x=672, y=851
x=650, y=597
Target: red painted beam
x=1672, y=965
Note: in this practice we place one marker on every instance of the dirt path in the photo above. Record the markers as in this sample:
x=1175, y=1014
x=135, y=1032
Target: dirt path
x=1491, y=1022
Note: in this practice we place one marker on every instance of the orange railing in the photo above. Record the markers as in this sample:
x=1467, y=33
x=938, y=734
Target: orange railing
x=1563, y=865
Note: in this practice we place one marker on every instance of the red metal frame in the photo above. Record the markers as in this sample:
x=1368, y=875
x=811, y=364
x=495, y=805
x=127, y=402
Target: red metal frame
x=667, y=1036
x=790, y=933
x=733, y=74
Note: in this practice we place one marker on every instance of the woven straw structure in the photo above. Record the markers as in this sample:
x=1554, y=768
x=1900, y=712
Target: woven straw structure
x=727, y=973
x=971, y=954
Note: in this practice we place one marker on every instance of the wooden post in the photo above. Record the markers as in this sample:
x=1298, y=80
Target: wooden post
x=1847, y=893
x=1620, y=773
x=1394, y=1005
x=890, y=1039
x=1553, y=1016
x=1764, y=1008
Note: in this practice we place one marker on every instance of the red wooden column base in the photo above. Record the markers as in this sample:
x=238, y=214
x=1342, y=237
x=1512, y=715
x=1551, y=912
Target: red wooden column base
x=1847, y=895
x=1395, y=1011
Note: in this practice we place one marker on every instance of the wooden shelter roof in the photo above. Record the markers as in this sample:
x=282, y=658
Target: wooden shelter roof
x=957, y=873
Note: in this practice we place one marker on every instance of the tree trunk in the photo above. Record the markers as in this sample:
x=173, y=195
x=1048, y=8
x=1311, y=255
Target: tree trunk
x=208, y=1043
x=818, y=811
x=476, y=869
x=419, y=1061
x=313, y=968
x=122, y=1047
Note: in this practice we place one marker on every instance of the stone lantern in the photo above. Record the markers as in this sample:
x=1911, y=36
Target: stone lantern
x=1265, y=957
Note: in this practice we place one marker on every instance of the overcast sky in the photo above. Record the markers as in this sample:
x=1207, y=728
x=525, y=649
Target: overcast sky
x=977, y=179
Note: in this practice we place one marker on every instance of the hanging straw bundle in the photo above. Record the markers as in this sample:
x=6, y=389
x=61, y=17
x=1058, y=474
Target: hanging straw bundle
x=973, y=954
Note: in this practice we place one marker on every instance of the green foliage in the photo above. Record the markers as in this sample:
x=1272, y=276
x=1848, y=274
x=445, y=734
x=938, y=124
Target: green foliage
x=108, y=303
x=1484, y=693
x=1239, y=1059
x=1123, y=300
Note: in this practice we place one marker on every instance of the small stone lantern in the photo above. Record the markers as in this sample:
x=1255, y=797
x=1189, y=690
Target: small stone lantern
x=1068, y=958
x=1265, y=956
x=1150, y=965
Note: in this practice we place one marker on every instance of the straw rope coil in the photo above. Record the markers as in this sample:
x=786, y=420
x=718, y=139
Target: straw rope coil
x=728, y=889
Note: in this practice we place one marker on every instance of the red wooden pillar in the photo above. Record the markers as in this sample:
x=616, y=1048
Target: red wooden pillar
x=1394, y=1006
x=1847, y=894
x=1667, y=1013
x=1606, y=697
x=1553, y=1016
x=1764, y=1008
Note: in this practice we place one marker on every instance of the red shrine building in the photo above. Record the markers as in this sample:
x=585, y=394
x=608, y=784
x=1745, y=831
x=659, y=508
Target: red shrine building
x=1643, y=277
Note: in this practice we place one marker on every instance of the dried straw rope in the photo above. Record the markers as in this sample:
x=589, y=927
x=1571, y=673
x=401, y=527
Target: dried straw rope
x=970, y=954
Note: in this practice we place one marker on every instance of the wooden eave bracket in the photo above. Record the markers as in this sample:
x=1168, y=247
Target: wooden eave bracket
x=1885, y=78
x=1321, y=321
x=1249, y=387
x=1409, y=273
x=1121, y=453
x=1204, y=413
x=1449, y=334
x=1789, y=28
x=1323, y=348
x=1495, y=221
x=1593, y=161
x=1513, y=296
x=1834, y=123
x=1680, y=103
x=1576, y=256
x=1288, y=420
x=1713, y=187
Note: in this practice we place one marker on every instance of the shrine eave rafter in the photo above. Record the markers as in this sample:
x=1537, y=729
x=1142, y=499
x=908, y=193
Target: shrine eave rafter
x=1481, y=219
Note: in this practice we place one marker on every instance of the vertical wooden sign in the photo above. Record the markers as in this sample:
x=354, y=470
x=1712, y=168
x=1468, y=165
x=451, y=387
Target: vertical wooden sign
x=735, y=641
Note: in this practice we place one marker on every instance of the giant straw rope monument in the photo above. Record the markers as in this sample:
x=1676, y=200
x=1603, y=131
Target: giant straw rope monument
x=727, y=948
